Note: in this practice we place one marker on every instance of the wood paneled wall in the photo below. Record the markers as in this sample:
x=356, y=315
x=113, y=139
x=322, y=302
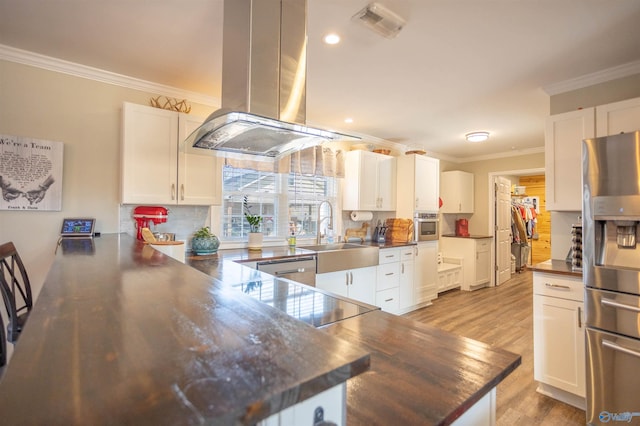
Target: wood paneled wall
x=541, y=247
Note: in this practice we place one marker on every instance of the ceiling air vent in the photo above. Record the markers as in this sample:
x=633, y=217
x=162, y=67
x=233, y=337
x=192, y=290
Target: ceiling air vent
x=380, y=19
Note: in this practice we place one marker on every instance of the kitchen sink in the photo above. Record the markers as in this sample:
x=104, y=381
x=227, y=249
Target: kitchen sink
x=343, y=256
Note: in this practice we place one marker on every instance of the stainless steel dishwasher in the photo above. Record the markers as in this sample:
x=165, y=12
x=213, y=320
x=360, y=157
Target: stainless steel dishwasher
x=299, y=269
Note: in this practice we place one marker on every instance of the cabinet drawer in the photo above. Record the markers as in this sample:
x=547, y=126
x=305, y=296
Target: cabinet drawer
x=407, y=254
x=388, y=276
x=558, y=286
x=388, y=300
x=388, y=256
x=483, y=245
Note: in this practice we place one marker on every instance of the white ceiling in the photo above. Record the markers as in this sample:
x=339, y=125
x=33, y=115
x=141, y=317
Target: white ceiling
x=457, y=66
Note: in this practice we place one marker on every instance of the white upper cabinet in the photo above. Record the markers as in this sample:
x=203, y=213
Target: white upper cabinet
x=456, y=191
x=370, y=181
x=418, y=185
x=618, y=117
x=155, y=166
x=563, y=159
x=563, y=147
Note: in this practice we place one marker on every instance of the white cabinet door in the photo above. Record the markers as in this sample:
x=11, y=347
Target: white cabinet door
x=369, y=182
x=156, y=166
x=483, y=261
x=386, y=183
x=417, y=186
x=559, y=339
x=406, y=293
x=456, y=191
x=563, y=158
x=427, y=183
x=617, y=117
x=336, y=282
x=358, y=284
x=362, y=284
x=149, y=155
x=199, y=174
x=426, y=274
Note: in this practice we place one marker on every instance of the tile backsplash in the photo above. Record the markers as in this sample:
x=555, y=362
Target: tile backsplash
x=182, y=220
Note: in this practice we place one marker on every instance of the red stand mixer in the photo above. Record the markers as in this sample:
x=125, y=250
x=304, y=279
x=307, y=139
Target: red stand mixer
x=144, y=215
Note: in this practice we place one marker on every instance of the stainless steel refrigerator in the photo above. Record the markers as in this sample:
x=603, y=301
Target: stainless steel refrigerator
x=611, y=274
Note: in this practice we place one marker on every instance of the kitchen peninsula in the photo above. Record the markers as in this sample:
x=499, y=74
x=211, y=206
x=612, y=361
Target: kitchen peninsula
x=124, y=334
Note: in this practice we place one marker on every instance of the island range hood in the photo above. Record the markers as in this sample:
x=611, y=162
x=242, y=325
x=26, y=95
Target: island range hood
x=263, y=109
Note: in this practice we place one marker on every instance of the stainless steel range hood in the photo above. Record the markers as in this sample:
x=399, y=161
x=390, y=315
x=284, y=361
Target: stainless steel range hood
x=263, y=82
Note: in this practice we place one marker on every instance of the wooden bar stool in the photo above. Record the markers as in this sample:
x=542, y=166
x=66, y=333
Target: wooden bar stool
x=16, y=290
x=3, y=347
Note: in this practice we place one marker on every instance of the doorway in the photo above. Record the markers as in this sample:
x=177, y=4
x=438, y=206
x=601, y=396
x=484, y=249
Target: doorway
x=500, y=256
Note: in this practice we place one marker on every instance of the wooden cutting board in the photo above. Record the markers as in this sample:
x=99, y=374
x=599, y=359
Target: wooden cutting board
x=399, y=230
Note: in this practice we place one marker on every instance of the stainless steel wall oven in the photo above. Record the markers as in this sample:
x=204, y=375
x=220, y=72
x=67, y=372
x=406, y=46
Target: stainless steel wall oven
x=426, y=226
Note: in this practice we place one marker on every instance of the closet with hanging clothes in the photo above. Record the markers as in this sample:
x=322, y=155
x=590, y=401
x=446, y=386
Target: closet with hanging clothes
x=524, y=212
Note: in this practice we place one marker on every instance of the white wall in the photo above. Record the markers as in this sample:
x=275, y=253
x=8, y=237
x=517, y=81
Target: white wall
x=85, y=115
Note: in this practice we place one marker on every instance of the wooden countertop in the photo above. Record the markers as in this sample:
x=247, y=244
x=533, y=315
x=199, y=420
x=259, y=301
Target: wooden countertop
x=559, y=267
x=122, y=334
x=419, y=374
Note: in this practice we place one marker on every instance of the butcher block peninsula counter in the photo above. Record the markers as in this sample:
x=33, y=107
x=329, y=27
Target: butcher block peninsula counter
x=122, y=334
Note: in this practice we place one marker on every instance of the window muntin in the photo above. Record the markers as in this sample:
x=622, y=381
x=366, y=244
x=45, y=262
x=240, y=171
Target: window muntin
x=285, y=201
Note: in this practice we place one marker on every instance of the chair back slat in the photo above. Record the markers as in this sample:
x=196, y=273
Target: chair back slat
x=15, y=288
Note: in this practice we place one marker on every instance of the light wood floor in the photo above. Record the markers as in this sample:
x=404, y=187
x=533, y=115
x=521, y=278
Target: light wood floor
x=503, y=316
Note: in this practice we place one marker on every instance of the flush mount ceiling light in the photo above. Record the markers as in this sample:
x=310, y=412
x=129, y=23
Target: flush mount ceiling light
x=477, y=136
x=331, y=38
x=380, y=19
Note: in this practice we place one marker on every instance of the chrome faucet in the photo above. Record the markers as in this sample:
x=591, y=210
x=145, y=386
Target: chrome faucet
x=330, y=226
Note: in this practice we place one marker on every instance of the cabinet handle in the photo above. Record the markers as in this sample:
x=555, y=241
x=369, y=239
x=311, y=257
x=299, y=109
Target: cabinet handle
x=351, y=273
x=613, y=304
x=616, y=347
x=557, y=286
x=403, y=268
x=417, y=202
x=579, y=317
x=388, y=300
x=388, y=274
x=389, y=256
x=173, y=191
x=182, y=192
x=346, y=276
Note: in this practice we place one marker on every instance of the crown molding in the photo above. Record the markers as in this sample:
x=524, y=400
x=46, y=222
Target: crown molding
x=507, y=154
x=587, y=80
x=65, y=67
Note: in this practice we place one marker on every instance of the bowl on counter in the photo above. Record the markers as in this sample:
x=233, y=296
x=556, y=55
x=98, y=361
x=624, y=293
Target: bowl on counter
x=164, y=236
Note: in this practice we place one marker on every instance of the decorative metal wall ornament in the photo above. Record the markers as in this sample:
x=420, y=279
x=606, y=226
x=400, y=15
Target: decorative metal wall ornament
x=172, y=104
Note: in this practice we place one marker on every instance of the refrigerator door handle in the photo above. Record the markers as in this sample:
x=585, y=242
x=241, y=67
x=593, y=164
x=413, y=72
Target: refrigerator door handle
x=614, y=304
x=616, y=347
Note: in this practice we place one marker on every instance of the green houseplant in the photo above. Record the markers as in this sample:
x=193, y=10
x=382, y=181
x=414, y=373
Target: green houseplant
x=204, y=241
x=255, y=236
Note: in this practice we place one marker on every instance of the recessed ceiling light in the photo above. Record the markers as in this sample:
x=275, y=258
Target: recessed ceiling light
x=332, y=38
x=348, y=120
x=477, y=136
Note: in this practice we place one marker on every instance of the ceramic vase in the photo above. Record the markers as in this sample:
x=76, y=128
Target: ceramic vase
x=255, y=241
x=206, y=245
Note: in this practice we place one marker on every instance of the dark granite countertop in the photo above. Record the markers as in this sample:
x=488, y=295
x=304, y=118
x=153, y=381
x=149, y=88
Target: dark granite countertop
x=559, y=267
x=122, y=334
x=471, y=236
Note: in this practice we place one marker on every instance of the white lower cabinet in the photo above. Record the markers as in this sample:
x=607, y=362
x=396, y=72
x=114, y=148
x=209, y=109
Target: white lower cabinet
x=329, y=406
x=426, y=274
x=406, y=286
x=559, y=337
x=476, y=259
x=358, y=284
